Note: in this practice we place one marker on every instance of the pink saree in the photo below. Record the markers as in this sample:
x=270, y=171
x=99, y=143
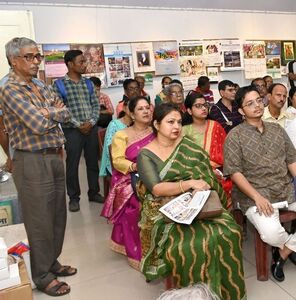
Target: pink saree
x=122, y=208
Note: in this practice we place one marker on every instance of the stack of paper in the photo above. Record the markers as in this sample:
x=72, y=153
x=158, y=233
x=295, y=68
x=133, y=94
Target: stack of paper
x=9, y=275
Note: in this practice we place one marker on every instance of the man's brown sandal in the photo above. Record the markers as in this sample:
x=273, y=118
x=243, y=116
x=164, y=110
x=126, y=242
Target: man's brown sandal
x=56, y=291
x=66, y=271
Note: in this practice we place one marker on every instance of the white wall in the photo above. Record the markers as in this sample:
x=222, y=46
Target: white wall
x=13, y=23
x=58, y=24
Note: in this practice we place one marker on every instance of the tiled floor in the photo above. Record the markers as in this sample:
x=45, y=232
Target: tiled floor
x=105, y=275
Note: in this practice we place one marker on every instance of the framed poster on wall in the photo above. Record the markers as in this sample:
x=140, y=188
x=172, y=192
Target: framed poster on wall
x=54, y=59
x=166, y=57
x=143, y=57
x=231, y=55
x=119, y=63
x=95, y=62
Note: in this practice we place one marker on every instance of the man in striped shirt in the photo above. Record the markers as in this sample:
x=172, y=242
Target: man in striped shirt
x=32, y=113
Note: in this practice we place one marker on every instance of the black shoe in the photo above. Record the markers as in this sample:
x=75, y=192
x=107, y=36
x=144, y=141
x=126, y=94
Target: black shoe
x=97, y=198
x=275, y=254
x=74, y=206
x=292, y=257
x=277, y=266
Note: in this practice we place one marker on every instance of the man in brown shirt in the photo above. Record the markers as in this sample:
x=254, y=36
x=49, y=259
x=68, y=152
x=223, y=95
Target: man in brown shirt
x=261, y=160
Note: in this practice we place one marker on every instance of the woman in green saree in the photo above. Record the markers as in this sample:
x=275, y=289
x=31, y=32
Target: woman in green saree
x=206, y=251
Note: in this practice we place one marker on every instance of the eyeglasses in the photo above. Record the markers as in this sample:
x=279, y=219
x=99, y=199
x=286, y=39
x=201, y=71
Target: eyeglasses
x=260, y=86
x=230, y=90
x=31, y=57
x=131, y=88
x=176, y=94
x=201, y=105
x=252, y=103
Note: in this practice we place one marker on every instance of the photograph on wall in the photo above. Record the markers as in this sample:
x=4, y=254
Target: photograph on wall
x=119, y=63
x=254, y=59
x=273, y=47
x=273, y=58
x=95, y=62
x=287, y=52
x=231, y=55
x=211, y=53
x=254, y=49
x=190, y=48
x=191, y=63
x=273, y=65
x=213, y=74
x=54, y=59
x=143, y=57
x=166, y=57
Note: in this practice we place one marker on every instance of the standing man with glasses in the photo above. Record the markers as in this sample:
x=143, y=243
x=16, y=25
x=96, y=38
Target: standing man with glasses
x=32, y=113
x=81, y=132
x=261, y=161
x=225, y=111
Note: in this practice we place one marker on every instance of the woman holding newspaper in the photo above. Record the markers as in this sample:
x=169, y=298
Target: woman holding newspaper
x=206, y=251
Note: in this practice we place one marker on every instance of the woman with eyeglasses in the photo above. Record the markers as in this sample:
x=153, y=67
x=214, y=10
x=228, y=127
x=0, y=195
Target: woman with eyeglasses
x=207, y=134
x=175, y=95
x=131, y=89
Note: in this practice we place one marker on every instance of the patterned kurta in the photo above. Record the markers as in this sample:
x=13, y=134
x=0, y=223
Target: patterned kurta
x=262, y=158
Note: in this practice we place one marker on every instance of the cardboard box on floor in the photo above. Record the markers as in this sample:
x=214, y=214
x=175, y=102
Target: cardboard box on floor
x=22, y=291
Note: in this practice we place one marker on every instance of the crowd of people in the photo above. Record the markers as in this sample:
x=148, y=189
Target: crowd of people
x=241, y=146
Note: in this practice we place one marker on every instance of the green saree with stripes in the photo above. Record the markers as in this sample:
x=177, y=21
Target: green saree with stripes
x=208, y=251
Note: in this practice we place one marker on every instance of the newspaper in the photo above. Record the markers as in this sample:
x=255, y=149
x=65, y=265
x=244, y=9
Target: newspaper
x=184, y=208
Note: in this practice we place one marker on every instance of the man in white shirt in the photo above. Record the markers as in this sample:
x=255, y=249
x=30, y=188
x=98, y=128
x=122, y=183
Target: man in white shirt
x=274, y=112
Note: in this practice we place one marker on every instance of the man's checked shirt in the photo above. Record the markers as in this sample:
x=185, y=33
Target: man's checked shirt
x=28, y=129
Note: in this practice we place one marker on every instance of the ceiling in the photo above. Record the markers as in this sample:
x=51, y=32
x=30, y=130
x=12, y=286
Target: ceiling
x=257, y=5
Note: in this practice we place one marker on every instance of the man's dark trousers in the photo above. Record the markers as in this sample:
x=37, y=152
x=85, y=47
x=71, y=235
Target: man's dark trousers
x=75, y=143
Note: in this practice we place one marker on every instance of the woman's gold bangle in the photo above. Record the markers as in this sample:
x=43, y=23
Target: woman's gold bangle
x=181, y=186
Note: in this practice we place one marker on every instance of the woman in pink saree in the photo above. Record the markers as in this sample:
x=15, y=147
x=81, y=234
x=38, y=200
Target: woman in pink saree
x=122, y=207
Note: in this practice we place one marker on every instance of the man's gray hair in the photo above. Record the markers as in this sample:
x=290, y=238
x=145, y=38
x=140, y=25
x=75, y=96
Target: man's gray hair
x=196, y=292
x=13, y=47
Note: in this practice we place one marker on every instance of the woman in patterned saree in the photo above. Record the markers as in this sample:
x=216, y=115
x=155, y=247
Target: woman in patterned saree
x=121, y=207
x=206, y=251
x=209, y=135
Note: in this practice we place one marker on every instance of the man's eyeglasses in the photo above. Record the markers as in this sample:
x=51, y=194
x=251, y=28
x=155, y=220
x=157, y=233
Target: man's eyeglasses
x=231, y=90
x=201, y=105
x=253, y=103
x=31, y=57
